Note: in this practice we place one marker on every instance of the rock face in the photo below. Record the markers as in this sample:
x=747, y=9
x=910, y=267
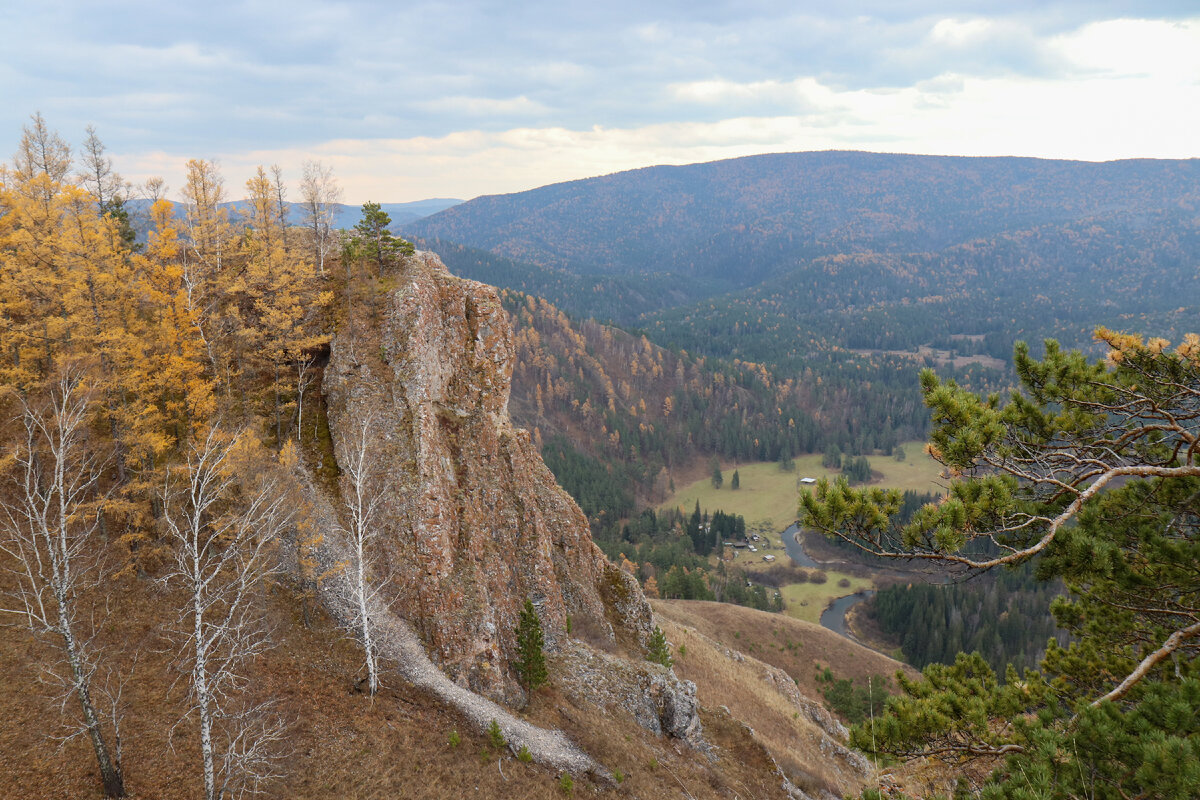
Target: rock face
x=651, y=694
x=472, y=522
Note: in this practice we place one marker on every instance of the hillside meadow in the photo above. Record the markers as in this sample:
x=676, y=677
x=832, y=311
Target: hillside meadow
x=767, y=499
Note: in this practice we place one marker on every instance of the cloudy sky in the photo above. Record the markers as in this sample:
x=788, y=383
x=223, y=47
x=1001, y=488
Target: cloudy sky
x=456, y=99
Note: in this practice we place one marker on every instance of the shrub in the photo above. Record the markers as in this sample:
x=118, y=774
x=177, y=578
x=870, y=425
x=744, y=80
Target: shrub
x=524, y=755
x=844, y=583
x=618, y=776
x=566, y=784
x=454, y=739
x=495, y=735
x=818, y=577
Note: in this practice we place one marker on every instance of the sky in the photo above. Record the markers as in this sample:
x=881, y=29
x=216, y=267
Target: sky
x=408, y=100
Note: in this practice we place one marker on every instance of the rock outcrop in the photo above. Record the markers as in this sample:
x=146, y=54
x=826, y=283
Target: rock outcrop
x=472, y=522
x=651, y=694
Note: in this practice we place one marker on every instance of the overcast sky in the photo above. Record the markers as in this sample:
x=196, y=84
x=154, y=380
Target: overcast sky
x=413, y=100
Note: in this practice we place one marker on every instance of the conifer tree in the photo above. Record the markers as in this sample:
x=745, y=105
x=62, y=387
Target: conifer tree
x=1091, y=472
x=657, y=650
x=531, y=658
x=736, y=482
x=374, y=242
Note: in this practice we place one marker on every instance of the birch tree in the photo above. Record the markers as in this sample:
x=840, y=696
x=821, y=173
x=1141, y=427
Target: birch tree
x=320, y=195
x=224, y=532
x=48, y=526
x=360, y=464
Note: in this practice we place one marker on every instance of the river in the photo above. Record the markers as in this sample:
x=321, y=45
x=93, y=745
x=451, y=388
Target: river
x=834, y=617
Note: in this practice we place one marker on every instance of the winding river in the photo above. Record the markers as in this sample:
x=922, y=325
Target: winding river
x=833, y=617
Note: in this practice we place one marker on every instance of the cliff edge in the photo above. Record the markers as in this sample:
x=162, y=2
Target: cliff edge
x=472, y=522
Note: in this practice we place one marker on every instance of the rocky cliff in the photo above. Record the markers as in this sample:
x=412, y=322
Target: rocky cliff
x=472, y=522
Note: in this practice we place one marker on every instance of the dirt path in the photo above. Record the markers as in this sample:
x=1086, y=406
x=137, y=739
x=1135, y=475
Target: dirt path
x=400, y=645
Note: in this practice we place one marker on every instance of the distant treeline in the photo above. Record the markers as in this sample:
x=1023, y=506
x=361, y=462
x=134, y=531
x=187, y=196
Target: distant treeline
x=1004, y=616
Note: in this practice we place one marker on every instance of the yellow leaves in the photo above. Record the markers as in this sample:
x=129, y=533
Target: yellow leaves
x=1119, y=343
x=1123, y=345
x=1189, y=348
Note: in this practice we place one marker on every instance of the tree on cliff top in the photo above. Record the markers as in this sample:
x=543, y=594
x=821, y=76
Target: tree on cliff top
x=374, y=242
x=1093, y=472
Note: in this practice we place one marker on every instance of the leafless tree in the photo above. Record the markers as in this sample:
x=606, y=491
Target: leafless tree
x=48, y=527
x=361, y=470
x=224, y=531
x=320, y=194
x=42, y=152
x=305, y=374
x=97, y=173
x=279, y=189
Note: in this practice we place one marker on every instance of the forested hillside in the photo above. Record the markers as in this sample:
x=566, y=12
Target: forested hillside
x=745, y=220
x=1058, y=281
x=848, y=271
x=622, y=413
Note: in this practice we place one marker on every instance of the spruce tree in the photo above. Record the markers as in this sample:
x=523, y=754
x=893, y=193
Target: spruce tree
x=531, y=659
x=657, y=651
x=736, y=482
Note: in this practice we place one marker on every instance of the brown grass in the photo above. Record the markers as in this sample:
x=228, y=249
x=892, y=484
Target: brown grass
x=342, y=744
x=801, y=649
x=739, y=685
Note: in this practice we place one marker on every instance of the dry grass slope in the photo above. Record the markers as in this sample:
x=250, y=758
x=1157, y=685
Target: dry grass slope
x=341, y=744
x=728, y=674
x=801, y=649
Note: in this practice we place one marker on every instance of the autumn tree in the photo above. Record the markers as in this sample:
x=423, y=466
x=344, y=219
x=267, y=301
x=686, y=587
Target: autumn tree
x=319, y=196
x=48, y=532
x=1092, y=472
x=278, y=306
x=224, y=513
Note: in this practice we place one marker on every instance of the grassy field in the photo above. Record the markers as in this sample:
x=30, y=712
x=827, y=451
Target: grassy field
x=806, y=601
x=767, y=499
x=799, y=648
x=768, y=494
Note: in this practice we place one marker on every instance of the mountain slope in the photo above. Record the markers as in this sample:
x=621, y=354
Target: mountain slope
x=743, y=220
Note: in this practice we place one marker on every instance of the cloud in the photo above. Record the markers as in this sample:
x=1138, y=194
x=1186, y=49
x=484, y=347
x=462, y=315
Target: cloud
x=480, y=106
x=566, y=89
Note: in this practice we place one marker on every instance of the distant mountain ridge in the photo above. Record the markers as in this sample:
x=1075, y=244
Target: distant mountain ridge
x=741, y=221
x=345, y=215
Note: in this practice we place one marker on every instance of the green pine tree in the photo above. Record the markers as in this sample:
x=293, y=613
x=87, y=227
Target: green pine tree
x=531, y=659
x=374, y=242
x=1092, y=473
x=736, y=482
x=657, y=651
